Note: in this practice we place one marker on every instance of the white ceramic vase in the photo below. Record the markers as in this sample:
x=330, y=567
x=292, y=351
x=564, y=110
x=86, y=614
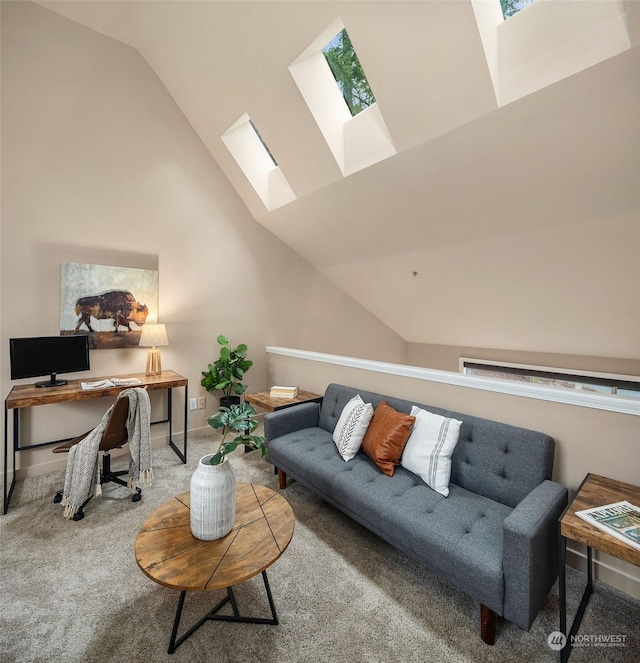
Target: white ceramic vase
x=213, y=500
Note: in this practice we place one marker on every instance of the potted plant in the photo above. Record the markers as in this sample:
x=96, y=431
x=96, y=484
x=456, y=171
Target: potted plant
x=237, y=419
x=226, y=373
x=213, y=484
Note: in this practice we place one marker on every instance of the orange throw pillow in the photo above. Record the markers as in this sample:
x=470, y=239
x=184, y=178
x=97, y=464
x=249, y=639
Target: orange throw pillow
x=386, y=436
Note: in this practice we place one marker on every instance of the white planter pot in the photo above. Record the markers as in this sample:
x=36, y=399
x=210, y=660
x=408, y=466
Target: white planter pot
x=213, y=500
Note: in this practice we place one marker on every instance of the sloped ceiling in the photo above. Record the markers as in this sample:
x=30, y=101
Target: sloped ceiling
x=470, y=180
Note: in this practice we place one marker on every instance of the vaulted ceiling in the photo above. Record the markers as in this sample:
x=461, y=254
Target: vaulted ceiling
x=470, y=180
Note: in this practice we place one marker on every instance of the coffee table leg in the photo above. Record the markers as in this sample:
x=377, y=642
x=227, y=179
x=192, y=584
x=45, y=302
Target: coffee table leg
x=176, y=622
x=272, y=605
x=173, y=644
x=230, y=598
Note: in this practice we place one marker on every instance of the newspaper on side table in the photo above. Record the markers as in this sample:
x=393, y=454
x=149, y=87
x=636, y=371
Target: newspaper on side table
x=620, y=519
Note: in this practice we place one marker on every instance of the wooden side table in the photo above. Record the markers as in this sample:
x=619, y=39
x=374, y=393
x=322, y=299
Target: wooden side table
x=594, y=491
x=169, y=554
x=266, y=402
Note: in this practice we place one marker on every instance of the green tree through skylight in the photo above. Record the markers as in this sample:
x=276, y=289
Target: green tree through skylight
x=511, y=7
x=348, y=73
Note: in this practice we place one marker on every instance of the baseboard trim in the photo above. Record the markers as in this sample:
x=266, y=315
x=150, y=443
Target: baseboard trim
x=605, y=572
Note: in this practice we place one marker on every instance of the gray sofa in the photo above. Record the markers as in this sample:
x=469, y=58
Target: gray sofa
x=495, y=535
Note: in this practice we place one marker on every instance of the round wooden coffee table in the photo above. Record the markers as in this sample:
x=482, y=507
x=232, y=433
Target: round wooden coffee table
x=169, y=554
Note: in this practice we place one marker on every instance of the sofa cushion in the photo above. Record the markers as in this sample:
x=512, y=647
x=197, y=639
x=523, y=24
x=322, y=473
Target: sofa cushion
x=352, y=426
x=310, y=454
x=459, y=536
x=386, y=436
x=429, y=448
x=463, y=533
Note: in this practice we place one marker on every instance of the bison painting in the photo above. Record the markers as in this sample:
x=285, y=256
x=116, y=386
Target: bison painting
x=120, y=305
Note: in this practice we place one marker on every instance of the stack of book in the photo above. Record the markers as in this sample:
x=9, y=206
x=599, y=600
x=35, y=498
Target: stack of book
x=279, y=391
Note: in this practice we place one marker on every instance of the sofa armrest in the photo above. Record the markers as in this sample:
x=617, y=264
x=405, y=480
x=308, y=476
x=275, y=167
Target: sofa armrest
x=281, y=422
x=530, y=552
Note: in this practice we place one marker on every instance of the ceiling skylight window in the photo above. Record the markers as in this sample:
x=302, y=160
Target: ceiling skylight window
x=268, y=151
x=355, y=131
x=511, y=7
x=253, y=156
x=347, y=70
x=547, y=42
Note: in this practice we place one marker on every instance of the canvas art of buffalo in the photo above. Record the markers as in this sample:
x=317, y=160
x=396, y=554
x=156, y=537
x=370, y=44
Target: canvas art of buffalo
x=119, y=305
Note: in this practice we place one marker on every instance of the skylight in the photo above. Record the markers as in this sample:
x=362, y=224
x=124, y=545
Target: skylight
x=348, y=72
x=347, y=113
x=511, y=7
x=266, y=147
x=253, y=156
x=548, y=42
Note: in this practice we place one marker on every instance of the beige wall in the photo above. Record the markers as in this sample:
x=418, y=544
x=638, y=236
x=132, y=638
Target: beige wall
x=100, y=166
x=587, y=440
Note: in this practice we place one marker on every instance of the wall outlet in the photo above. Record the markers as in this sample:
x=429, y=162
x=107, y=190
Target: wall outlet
x=202, y=402
x=193, y=403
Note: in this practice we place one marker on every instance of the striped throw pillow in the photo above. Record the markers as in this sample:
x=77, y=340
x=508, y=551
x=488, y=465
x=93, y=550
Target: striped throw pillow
x=430, y=447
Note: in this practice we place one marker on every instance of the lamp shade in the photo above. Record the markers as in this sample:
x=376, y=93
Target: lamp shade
x=153, y=336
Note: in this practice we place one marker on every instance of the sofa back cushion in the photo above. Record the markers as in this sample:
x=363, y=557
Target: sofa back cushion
x=496, y=460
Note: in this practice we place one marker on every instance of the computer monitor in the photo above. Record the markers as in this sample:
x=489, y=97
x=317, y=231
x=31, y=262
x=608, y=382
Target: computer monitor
x=48, y=355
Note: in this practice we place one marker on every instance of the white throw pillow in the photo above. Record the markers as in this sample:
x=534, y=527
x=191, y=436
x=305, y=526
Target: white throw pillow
x=351, y=427
x=430, y=447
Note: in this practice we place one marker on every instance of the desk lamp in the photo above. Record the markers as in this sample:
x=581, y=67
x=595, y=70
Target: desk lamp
x=153, y=336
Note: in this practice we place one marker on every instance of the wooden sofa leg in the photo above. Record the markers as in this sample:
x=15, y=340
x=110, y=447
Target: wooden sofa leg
x=282, y=479
x=488, y=620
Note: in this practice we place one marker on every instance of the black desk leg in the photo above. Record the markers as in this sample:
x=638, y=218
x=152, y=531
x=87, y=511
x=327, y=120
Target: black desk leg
x=186, y=415
x=8, y=489
x=181, y=454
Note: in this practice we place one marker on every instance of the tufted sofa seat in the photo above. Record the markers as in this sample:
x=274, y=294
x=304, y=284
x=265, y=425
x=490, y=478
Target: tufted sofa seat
x=495, y=535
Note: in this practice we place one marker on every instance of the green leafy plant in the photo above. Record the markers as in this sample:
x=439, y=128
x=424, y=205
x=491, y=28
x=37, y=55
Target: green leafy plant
x=225, y=374
x=236, y=419
x=347, y=70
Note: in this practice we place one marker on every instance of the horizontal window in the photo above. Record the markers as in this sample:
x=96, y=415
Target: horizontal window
x=598, y=383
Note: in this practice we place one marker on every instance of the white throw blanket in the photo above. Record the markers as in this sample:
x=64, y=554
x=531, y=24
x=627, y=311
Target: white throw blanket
x=83, y=467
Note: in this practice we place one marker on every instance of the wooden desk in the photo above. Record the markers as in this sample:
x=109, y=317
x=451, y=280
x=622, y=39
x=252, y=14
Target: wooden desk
x=266, y=402
x=594, y=491
x=25, y=396
x=169, y=554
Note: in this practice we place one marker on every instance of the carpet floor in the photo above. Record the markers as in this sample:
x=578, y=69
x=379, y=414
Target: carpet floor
x=73, y=593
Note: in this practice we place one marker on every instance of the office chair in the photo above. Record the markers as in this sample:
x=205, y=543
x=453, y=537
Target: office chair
x=114, y=437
